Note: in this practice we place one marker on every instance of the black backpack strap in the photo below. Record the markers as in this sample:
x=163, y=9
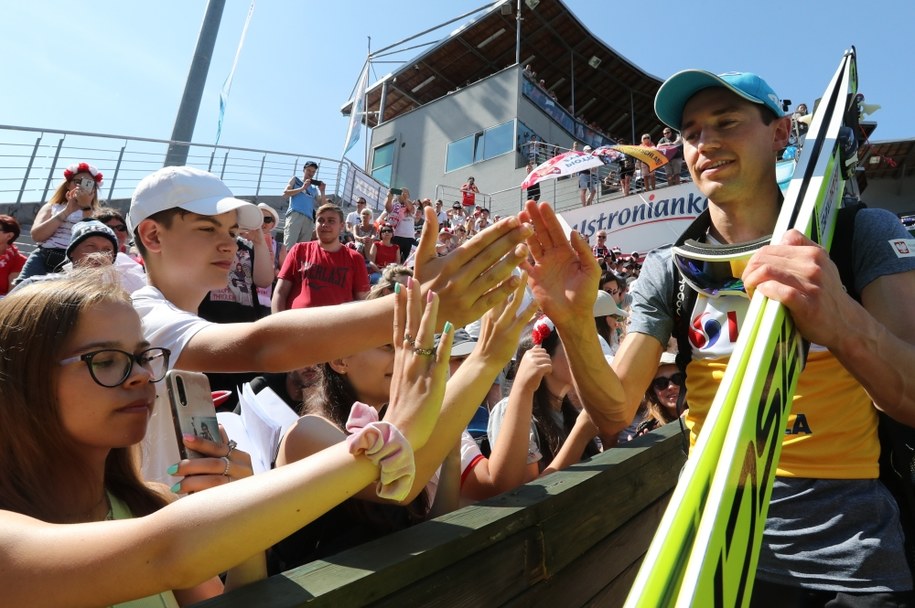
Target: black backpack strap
x=684, y=300
x=841, y=250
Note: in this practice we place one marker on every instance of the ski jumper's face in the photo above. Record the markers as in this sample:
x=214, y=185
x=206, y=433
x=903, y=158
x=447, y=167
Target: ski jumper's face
x=729, y=150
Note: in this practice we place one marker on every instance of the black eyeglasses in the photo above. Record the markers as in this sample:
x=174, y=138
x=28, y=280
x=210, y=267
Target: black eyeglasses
x=268, y=219
x=119, y=227
x=387, y=232
x=601, y=237
x=662, y=382
x=111, y=367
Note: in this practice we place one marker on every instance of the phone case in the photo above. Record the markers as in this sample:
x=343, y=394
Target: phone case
x=192, y=408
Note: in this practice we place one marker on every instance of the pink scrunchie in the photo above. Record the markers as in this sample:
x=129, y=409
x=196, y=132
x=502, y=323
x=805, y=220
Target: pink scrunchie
x=385, y=446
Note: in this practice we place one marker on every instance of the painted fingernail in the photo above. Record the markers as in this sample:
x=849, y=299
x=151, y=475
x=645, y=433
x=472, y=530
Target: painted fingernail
x=189, y=437
x=429, y=296
x=410, y=282
x=396, y=287
x=172, y=469
x=448, y=327
x=176, y=488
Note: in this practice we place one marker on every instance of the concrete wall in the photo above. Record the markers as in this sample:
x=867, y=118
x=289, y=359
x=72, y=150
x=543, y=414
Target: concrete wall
x=897, y=195
x=422, y=136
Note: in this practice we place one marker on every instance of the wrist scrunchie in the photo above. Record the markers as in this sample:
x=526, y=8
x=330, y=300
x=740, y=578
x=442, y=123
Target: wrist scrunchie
x=386, y=447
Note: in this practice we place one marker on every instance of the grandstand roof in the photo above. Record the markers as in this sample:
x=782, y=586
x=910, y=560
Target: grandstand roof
x=890, y=159
x=553, y=41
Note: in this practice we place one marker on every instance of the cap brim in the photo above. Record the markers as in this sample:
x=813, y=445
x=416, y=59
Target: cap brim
x=249, y=216
x=679, y=88
x=463, y=349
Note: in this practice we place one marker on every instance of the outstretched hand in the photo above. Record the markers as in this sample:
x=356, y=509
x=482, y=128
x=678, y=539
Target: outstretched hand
x=501, y=326
x=564, y=275
x=420, y=369
x=799, y=273
x=477, y=274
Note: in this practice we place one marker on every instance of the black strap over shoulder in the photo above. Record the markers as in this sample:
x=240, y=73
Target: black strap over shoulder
x=841, y=252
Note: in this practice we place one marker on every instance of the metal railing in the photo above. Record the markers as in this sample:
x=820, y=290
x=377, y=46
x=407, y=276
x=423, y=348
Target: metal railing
x=32, y=161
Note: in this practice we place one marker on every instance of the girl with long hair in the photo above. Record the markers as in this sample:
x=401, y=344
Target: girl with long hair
x=75, y=396
x=663, y=400
x=75, y=198
x=542, y=383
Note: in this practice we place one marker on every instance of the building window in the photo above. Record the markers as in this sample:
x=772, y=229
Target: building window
x=383, y=163
x=460, y=153
x=480, y=146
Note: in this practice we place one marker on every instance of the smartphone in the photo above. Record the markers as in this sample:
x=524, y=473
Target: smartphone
x=396, y=191
x=192, y=409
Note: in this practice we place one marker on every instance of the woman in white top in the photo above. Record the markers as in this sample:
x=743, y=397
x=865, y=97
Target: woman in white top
x=400, y=211
x=75, y=198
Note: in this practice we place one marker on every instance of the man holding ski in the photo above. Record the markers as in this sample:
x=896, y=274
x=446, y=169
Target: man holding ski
x=833, y=530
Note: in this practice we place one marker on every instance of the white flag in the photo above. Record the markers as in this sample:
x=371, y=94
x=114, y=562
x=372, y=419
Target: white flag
x=358, y=110
x=227, y=85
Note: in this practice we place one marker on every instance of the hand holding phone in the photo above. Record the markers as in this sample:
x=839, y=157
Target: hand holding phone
x=192, y=409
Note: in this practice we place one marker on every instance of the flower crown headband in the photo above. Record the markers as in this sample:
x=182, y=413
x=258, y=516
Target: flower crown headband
x=542, y=330
x=75, y=168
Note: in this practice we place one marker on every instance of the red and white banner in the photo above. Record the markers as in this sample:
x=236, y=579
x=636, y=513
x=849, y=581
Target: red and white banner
x=567, y=163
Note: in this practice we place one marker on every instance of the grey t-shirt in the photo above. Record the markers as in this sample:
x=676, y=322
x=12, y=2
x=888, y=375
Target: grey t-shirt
x=807, y=541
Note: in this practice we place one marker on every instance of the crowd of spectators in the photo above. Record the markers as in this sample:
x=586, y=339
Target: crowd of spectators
x=217, y=292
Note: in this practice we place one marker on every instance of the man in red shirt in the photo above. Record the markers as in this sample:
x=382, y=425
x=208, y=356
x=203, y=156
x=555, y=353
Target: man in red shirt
x=321, y=272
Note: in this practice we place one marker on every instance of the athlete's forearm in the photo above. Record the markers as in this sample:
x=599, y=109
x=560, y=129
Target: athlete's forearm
x=601, y=391
x=881, y=361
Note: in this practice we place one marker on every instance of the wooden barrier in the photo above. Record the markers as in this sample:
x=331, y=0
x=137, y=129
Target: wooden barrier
x=574, y=538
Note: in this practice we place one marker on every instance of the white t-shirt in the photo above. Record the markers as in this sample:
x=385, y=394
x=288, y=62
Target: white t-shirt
x=167, y=326
x=353, y=218
x=495, y=425
x=133, y=277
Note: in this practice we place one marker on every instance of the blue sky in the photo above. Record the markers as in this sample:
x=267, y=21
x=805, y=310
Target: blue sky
x=119, y=67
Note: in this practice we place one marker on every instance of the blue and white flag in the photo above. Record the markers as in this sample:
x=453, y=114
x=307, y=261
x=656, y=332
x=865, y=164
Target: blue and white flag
x=224, y=93
x=358, y=110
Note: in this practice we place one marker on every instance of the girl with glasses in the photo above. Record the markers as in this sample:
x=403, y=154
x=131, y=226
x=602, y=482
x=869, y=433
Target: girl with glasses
x=75, y=198
x=75, y=399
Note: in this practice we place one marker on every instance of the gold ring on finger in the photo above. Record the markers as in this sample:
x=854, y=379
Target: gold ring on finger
x=425, y=352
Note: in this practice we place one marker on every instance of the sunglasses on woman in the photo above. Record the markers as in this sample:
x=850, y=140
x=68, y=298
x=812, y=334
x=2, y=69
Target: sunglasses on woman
x=662, y=382
x=111, y=367
x=268, y=219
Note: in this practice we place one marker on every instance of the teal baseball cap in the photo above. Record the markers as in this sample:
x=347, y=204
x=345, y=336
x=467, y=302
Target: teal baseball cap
x=679, y=88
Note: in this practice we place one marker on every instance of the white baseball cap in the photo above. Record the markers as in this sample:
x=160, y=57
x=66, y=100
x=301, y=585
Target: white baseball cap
x=605, y=306
x=190, y=189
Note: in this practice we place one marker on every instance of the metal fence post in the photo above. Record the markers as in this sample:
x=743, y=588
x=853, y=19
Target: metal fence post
x=117, y=168
x=25, y=180
x=260, y=175
x=225, y=159
x=47, y=185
